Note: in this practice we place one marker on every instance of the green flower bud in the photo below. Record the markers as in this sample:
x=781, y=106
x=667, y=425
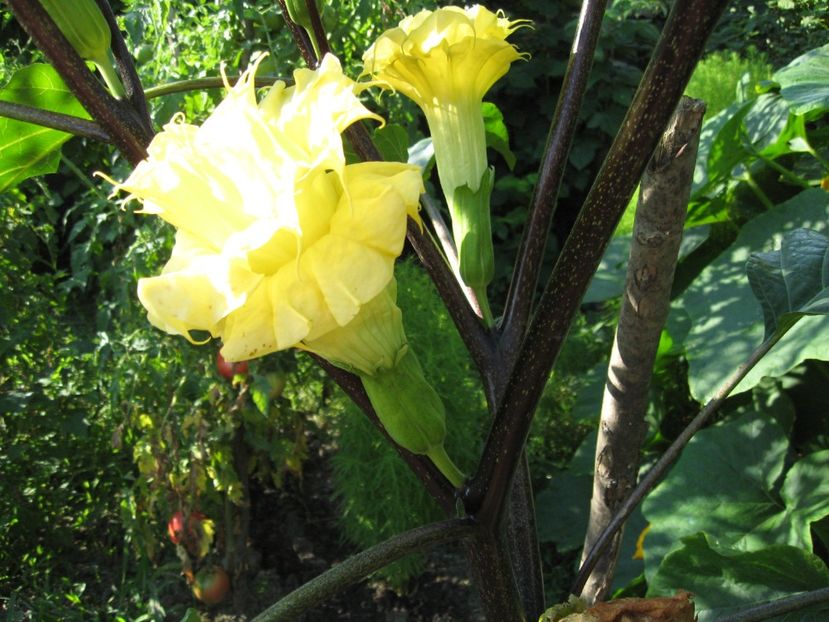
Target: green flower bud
x=412, y=412
x=472, y=230
x=298, y=12
x=86, y=29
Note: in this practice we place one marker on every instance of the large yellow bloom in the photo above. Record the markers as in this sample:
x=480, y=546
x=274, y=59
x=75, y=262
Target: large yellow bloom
x=278, y=241
x=446, y=60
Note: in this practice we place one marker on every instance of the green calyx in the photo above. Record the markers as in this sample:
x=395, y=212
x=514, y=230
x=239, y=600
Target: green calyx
x=412, y=412
x=299, y=14
x=472, y=230
x=86, y=29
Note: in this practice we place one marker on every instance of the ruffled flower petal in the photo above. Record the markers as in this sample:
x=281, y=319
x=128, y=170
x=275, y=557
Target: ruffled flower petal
x=279, y=241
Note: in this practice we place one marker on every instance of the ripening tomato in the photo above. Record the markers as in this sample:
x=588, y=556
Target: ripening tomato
x=228, y=370
x=211, y=585
x=175, y=526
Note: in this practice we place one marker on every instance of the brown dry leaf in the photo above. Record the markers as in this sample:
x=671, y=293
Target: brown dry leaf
x=679, y=608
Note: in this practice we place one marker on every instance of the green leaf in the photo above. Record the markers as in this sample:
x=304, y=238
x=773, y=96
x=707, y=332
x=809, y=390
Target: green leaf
x=725, y=581
x=393, y=142
x=726, y=150
x=793, y=281
x=806, y=495
x=805, y=82
x=26, y=149
x=720, y=485
x=727, y=322
x=497, y=136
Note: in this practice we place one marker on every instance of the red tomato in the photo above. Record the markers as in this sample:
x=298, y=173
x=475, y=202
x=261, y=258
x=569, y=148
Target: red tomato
x=211, y=585
x=175, y=526
x=228, y=370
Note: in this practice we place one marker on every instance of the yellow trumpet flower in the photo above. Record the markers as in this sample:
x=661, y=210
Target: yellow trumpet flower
x=278, y=241
x=445, y=61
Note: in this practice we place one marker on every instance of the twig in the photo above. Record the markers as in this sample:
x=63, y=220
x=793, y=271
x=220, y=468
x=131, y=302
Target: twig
x=658, y=471
x=657, y=233
x=682, y=42
x=214, y=82
x=778, y=607
x=551, y=171
x=55, y=120
x=359, y=566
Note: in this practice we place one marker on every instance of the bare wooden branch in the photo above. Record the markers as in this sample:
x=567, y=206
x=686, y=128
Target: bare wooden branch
x=671, y=455
x=657, y=233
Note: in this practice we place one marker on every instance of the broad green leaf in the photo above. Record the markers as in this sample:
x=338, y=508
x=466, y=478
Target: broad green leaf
x=720, y=485
x=725, y=581
x=792, y=281
x=726, y=150
x=497, y=136
x=727, y=322
x=392, y=142
x=26, y=149
x=805, y=82
x=806, y=495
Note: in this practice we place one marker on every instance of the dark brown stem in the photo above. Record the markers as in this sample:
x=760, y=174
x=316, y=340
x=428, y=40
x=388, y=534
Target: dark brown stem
x=55, y=120
x=317, y=28
x=778, y=607
x=300, y=38
x=489, y=562
x=682, y=41
x=551, y=171
x=126, y=69
x=115, y=117
x=434, y=481
x=646, y=300
x=658, y=471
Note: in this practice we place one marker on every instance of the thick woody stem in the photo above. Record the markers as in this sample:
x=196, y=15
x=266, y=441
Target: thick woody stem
x=116, y=118
x=671, y=455
x=680, y=46
x=657, y=233
x=559, y=140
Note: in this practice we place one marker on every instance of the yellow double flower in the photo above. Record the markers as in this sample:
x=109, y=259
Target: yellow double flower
x=280, y=243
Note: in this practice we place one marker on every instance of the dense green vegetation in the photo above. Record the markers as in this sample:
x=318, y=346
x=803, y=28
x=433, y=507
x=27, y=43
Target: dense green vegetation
x=108, y=426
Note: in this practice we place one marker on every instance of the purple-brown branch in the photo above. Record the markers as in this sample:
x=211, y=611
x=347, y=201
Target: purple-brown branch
x=677, y=52
x=551, y=171
x=126, y=69
x=55, y=120
x=115, y=117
